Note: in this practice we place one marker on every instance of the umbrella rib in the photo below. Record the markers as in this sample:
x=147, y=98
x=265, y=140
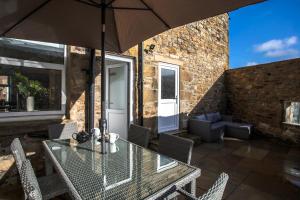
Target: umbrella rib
x=25, y=17
x=93, y=2
x=110, y=3
x=128, y=8
x=89, y=4
x=156, y=14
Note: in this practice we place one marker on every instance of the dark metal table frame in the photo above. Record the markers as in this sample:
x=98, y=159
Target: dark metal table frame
x=188, y=181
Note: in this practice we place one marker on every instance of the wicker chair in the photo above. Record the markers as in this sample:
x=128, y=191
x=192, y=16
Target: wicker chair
x=46, y=187
x=18, y=152
x=139, y=135
x=214, y=193
x=62, y=131
x=176, y=147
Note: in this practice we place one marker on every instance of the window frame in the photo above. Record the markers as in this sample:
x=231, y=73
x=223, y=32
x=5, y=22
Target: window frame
x=37, y=115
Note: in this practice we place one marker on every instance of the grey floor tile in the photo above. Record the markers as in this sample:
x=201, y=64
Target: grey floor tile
x=246, y=192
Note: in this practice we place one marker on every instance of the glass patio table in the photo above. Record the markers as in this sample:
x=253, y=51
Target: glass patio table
x=127, y=171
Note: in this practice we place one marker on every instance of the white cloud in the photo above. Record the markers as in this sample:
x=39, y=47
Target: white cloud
x=278, y=47
x=282, y=52
x=270, y=45
x=291, y=40
x=251, y=63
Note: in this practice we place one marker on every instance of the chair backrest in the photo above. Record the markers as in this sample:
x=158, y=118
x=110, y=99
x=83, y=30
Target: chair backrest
x=139, y=135
x=18, y=153
x=62, y=131
x=217, y=190
x=30, y=182
x=176, y=147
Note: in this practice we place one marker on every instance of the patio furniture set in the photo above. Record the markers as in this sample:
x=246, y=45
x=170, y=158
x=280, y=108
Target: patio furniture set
x=212, y=127
x=127, y=171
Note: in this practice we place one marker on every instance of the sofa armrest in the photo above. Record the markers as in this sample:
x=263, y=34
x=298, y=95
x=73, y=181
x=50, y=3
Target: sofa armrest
x=197, y=126
x=227, y=118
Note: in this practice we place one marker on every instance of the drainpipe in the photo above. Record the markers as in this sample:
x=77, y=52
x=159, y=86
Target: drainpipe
x=140, y=82
x=91, y=89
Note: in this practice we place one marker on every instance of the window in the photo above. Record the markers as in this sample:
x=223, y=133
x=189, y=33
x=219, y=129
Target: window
x=32, y=80
x=292, y=112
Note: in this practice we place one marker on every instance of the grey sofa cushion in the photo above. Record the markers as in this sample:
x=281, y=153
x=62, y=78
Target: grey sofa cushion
x=217, y=125
x=214, y=117
x=200, y=117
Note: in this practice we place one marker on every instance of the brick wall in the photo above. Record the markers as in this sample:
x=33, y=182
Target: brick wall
x=256, y=94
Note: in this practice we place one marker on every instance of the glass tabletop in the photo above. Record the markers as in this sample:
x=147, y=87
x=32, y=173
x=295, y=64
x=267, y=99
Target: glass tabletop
x=127, y=171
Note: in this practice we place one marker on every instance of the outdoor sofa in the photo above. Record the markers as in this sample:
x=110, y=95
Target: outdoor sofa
x=213, y=127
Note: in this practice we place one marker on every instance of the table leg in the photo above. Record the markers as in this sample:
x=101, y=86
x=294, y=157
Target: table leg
x=48, y=165
x=191, y=187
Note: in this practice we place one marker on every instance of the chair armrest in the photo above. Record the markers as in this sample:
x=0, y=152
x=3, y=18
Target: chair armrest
x=227, y=118
x=196, y=126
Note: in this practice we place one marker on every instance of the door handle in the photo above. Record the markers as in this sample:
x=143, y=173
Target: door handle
x=176, y=97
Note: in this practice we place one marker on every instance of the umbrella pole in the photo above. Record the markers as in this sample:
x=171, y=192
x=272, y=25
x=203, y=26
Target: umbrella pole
x=103, y=122
x=91, y=87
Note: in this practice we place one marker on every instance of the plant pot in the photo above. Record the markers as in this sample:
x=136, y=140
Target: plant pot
x=30, y=104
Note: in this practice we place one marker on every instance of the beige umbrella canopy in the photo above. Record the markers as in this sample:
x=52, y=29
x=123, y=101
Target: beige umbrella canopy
x=88, y=23
x=128, y=22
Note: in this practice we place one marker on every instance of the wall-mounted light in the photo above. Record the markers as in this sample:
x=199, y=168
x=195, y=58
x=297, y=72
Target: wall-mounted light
x=149, y=48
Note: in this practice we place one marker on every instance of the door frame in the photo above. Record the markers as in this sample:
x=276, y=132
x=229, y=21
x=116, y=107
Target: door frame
x=177, y=89
x=130, y=94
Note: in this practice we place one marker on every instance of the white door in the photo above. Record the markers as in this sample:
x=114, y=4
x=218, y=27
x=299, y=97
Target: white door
x=168, y=97
x=116, y=98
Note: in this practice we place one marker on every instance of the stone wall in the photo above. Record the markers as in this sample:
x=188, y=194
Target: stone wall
x=76, y=84
x=256, y=94
x=201, y=51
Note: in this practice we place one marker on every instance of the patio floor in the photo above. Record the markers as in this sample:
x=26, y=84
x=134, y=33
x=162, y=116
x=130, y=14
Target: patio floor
x=256, y=169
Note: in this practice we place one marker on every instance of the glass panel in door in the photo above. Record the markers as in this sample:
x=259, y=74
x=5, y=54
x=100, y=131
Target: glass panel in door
x=168, y=85
x=116, y=92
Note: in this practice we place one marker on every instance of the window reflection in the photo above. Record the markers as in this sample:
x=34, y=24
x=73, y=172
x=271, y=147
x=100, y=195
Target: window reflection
x=292, y=112
x=164, y=163
x=29, y=89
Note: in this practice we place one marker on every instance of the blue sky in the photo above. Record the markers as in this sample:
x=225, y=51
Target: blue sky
x=265, y=32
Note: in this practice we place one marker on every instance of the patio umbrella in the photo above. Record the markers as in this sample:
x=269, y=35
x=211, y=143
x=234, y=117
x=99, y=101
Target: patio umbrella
x=120, y=23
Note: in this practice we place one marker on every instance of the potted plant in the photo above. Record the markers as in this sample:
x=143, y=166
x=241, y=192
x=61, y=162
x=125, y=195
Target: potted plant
x=29, y=89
